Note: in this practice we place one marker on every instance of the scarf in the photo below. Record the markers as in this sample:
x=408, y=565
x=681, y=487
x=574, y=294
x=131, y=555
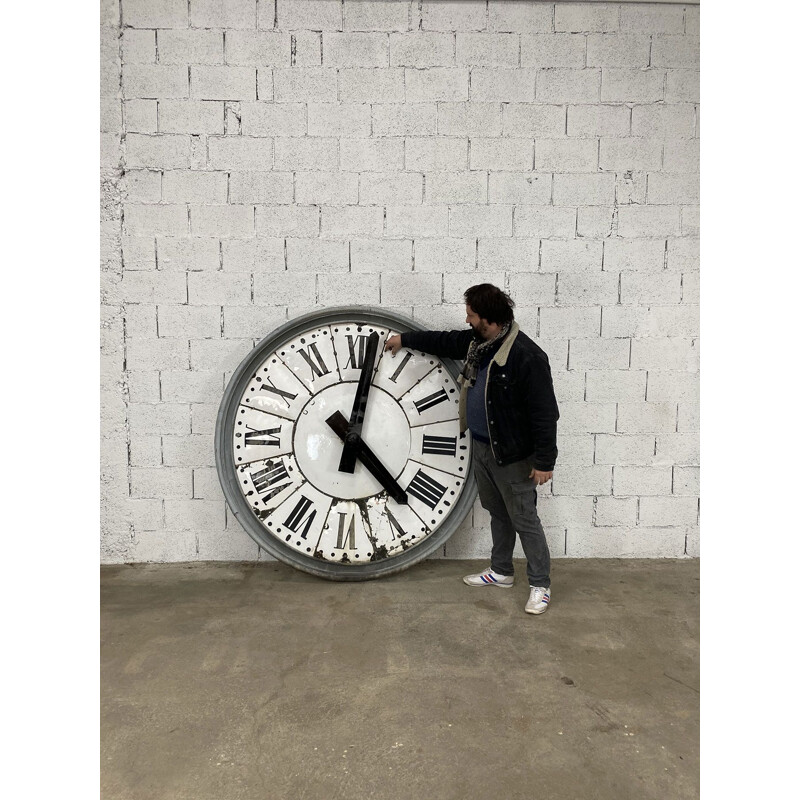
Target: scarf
x=477, y=350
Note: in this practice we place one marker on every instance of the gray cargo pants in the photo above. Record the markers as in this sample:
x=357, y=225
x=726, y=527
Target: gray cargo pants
x=509, y=495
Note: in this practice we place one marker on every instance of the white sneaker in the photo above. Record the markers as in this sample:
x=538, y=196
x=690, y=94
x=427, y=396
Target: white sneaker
x=490, y=578
x=538, y=601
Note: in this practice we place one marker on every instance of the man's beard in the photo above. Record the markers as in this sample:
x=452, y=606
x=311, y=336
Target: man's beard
x=479, y=332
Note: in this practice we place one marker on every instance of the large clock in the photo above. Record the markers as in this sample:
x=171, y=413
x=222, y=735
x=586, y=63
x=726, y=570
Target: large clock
x=337, y=457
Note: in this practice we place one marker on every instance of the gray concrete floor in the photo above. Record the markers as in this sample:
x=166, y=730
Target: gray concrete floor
x=233, y=681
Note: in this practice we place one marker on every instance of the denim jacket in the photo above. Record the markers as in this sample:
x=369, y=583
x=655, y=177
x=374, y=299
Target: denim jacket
x=521, y=406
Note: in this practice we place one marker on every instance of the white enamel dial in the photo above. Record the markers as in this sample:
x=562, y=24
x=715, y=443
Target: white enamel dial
x=286, y=455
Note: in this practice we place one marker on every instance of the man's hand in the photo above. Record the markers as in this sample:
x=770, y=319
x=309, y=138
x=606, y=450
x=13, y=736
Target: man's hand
x=393, y=343
x=539, y=477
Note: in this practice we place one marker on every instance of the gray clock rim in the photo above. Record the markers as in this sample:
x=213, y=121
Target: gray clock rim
x=226, y=469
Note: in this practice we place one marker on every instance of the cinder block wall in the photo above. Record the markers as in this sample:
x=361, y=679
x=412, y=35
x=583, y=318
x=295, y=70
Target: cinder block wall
x=263, y=158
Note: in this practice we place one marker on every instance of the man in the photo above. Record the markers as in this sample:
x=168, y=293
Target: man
x=508, y=404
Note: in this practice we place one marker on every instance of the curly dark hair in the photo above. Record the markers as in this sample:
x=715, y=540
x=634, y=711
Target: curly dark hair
x=490, y=303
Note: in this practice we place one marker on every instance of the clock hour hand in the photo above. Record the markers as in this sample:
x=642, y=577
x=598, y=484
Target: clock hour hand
x=339, y=425
x=347, y=462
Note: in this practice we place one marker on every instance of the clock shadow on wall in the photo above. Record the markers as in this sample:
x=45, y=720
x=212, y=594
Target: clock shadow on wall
x=338, y=458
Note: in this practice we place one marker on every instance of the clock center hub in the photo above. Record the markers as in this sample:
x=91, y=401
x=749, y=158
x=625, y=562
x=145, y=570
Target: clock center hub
x=318, y=449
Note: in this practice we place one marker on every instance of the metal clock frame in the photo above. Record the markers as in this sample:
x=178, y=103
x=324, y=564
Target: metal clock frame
x=226, y=469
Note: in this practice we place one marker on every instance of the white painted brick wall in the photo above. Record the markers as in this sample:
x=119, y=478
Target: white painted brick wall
x=265, y=158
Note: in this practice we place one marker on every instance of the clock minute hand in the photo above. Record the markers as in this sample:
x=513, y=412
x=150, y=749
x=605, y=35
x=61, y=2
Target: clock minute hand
x=339, y=424
x=347, y=463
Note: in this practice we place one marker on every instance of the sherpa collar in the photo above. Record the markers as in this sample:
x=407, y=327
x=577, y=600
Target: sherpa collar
x=501, y=356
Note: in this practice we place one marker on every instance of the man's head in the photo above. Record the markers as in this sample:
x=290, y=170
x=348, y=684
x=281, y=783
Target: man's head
x=488, y=309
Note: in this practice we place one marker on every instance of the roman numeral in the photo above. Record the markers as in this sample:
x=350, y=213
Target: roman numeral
x=314, y=360
x=439, y=445
x=269, y=437
x=425, y=488
x=394, y=525
x=402, y=366
x=270, y=480
x=269, y=386
x=431, y=400
x=346, y=538
x=356, y=361
x=298, y=517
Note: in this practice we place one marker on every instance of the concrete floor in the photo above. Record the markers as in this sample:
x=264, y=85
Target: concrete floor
x=232, y=681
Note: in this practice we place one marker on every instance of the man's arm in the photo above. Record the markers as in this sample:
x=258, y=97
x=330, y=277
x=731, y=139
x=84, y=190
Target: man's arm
x=543, y=416
x=446, y=344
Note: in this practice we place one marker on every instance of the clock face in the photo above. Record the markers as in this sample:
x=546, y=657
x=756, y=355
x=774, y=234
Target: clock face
x=280, y=456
